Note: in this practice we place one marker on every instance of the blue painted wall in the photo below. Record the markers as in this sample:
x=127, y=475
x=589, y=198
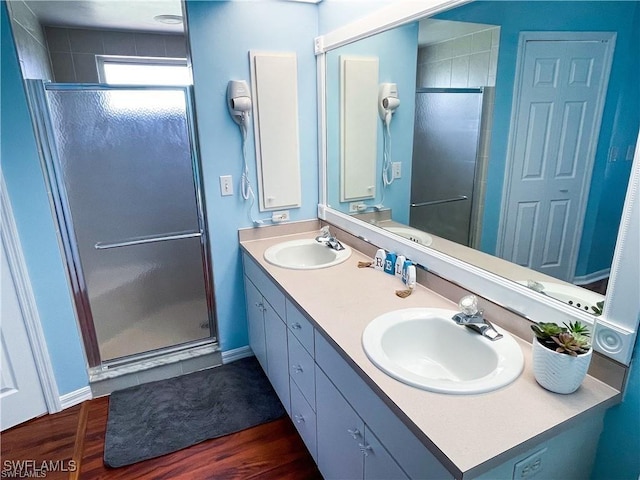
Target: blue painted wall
x=26, y=188
x=618, y=456
x=221, y=35
x=621, y=116
x=397, y=51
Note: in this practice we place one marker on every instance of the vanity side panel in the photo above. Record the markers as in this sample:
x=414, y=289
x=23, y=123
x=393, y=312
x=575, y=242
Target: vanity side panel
x=569, y=455
x=412, y=455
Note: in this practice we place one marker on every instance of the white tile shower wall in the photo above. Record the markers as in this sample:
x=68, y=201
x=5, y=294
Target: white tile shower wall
x=73, y=50
x=30, y=42
x=466, y=61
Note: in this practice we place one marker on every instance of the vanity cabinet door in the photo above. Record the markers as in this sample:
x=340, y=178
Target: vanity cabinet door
x=340, y=433
x=304, y=419
x=378, y=463
x=255, y=321
x=277, y=354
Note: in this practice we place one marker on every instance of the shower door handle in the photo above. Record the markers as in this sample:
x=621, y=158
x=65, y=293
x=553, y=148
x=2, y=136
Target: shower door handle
x=438, y=202
x=150, y=239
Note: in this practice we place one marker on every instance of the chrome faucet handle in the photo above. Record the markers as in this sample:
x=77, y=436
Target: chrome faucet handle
x=469, y=305
x=325, y=234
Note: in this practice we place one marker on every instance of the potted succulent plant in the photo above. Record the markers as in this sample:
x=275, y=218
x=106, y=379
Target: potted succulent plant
x=561, y=355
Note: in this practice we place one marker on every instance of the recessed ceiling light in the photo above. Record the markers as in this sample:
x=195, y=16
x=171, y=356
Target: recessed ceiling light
x=168, y=19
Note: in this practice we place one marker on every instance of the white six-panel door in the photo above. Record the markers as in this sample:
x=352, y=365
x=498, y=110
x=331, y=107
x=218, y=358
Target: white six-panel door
x=558, y=99
x=21, y=396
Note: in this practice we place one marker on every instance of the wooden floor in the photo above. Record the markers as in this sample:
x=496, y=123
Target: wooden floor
x=269, y=451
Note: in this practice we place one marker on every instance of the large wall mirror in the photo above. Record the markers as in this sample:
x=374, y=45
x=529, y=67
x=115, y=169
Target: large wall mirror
x=512, y=148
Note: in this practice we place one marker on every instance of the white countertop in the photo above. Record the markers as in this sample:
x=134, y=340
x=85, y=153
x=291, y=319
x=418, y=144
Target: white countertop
x=471, y=430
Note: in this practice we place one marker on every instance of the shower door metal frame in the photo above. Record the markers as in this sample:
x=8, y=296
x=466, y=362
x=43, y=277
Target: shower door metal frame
x=41, y=117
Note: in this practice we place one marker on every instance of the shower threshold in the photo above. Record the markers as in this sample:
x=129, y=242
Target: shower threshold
x=152, y=366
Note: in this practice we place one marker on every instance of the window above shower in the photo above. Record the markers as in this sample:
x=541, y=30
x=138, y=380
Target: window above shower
x=121, y=70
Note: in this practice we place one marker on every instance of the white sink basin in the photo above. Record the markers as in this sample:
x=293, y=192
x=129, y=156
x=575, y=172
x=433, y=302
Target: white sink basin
x=412, y=234
x=425, y=348
x=572, y=294
x=305, y=254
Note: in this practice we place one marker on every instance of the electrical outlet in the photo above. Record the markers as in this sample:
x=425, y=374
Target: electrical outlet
x=530, y=466
x=226, y=185
x=396, y=169
x=355, y=207
x=282, y=216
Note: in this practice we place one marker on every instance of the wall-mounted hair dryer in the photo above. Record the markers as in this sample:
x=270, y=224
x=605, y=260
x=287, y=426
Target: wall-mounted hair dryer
x=239, y=101
x=388, y=101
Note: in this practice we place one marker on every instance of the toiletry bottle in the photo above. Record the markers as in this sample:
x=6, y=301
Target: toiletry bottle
x=379, y=259
x=390, y=263
x=405, y=269
x=400, y=259
x=411, y=276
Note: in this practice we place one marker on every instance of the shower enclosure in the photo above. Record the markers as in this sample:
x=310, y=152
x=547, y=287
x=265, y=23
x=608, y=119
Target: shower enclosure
x=124, y=175
x=445, y=152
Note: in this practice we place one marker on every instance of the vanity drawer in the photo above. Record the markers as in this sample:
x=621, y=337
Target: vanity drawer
x=302, y=370
x=267, y=287
x=304, y=419
x=410, y=453
x=300, y=327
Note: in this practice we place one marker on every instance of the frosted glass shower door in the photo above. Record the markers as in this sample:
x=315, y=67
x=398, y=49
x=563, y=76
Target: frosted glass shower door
x=126, y=169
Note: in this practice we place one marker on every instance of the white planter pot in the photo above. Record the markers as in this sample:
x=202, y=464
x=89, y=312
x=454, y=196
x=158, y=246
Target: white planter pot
x=559, y=372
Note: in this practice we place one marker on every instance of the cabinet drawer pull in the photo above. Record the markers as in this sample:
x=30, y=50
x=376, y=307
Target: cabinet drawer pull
x=296, y=326
x=355, y=433
x=297, y=368
x=299, y=418
x=365, y=449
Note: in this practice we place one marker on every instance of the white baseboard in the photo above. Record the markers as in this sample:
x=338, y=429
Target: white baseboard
x=236, y=354
x=77, y=396
x=592, y=277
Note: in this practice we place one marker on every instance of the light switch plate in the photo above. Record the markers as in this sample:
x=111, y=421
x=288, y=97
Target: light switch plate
x=226, y=185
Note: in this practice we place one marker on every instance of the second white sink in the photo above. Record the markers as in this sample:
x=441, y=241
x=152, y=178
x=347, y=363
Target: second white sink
x=305, y=254
x=425, y=348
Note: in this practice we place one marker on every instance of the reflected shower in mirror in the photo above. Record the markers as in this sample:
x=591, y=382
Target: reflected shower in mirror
x=512, y=145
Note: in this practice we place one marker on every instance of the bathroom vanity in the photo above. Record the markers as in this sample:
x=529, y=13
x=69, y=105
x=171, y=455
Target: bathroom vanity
x=305, y=328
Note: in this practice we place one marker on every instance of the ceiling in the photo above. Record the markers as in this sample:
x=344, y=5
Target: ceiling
x=108, y=14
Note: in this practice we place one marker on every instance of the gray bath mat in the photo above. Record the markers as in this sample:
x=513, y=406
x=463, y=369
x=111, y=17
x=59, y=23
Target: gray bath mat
x=157, y=418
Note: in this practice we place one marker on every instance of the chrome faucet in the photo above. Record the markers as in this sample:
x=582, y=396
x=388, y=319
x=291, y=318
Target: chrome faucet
x=472, y=318
x=329, y=240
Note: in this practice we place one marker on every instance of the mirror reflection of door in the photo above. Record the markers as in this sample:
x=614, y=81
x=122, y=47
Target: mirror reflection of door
x=558, y=105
